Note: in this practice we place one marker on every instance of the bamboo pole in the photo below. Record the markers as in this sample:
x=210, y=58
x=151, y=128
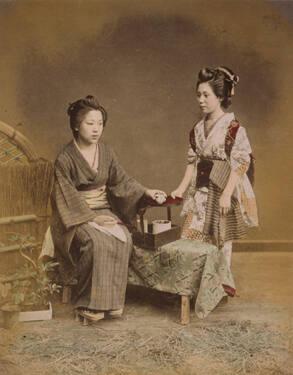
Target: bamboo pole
x=4, y=249
x=9, y=279
x=18, y=219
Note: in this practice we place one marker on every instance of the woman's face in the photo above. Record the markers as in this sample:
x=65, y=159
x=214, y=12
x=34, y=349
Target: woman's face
x=91, y=127
x=207, y=100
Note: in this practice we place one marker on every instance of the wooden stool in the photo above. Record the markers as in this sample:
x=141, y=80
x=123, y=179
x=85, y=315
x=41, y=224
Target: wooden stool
x=67, y=289
x=185, y=305
x=185, y=310
x=66, y=293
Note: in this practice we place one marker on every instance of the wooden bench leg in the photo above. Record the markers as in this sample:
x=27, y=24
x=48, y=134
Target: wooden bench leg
x=66, y=294
x=185, y=310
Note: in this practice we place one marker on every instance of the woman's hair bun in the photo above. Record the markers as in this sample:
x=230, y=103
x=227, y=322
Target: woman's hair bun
x=70, y=109
x=88, y=101
x=206, y=74
x=90, y=97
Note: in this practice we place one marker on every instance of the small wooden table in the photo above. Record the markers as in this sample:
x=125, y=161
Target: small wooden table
x=150, y=241
x=187, y=268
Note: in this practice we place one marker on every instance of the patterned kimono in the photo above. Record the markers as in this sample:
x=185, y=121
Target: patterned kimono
x=95, y=258
x=201, y=206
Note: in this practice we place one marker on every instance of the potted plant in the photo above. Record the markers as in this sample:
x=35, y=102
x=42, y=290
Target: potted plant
x=25, y=295
x=10, y=310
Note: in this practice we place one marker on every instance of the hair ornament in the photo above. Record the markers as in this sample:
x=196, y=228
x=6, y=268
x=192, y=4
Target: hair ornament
x=230, y=77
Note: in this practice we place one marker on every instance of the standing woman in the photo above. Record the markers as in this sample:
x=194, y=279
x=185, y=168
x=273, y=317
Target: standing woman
x=92, y=198
x=220, y=203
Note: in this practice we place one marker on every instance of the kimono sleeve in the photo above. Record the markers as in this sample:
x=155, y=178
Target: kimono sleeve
x=124, y=190
x=191, y=155
x=240, y=153
x=70, y=206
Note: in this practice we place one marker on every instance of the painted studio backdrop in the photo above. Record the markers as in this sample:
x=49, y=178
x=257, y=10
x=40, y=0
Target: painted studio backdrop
x=141, y=60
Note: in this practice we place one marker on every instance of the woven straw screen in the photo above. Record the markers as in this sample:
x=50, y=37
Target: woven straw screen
x=25, y=185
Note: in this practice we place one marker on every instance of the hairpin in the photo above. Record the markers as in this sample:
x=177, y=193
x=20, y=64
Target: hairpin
x=233, y=78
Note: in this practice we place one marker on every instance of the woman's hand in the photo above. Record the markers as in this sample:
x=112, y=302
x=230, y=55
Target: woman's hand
x=157, y=195
x=225, y=203
x=177, y=193
x=105, y=220
x=184, y=183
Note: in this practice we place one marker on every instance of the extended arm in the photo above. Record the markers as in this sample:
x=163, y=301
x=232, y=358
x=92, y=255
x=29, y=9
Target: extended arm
x=184, y=183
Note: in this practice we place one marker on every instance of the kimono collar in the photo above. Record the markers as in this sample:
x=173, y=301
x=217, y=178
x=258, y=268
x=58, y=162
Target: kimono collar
x=76, y=154
x=222, y=123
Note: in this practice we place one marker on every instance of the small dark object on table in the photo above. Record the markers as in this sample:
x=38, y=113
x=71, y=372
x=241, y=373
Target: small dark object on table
x=150, y=240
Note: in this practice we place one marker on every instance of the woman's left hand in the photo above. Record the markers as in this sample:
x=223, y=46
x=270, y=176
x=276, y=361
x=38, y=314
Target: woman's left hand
x=157, y=195
x=225, y=203
x=105, y=220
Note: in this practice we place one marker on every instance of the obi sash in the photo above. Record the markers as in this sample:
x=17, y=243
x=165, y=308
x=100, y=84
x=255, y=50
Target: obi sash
x=204, y=168
x=96, y=198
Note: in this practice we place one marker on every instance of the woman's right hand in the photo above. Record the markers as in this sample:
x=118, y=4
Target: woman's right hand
x=105, y=220
x=184, y=183
x=177, y=193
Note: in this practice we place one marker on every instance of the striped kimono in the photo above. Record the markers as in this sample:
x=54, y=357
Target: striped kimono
x=212, y=167
x=96, y=259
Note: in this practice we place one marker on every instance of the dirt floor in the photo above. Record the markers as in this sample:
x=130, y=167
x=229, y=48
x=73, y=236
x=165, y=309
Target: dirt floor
x=251, y=334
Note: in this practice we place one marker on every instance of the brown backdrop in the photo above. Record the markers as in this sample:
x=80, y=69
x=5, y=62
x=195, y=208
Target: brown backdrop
x=141, y=59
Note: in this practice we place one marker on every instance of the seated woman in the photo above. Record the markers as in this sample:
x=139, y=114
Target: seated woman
x=92, y=199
